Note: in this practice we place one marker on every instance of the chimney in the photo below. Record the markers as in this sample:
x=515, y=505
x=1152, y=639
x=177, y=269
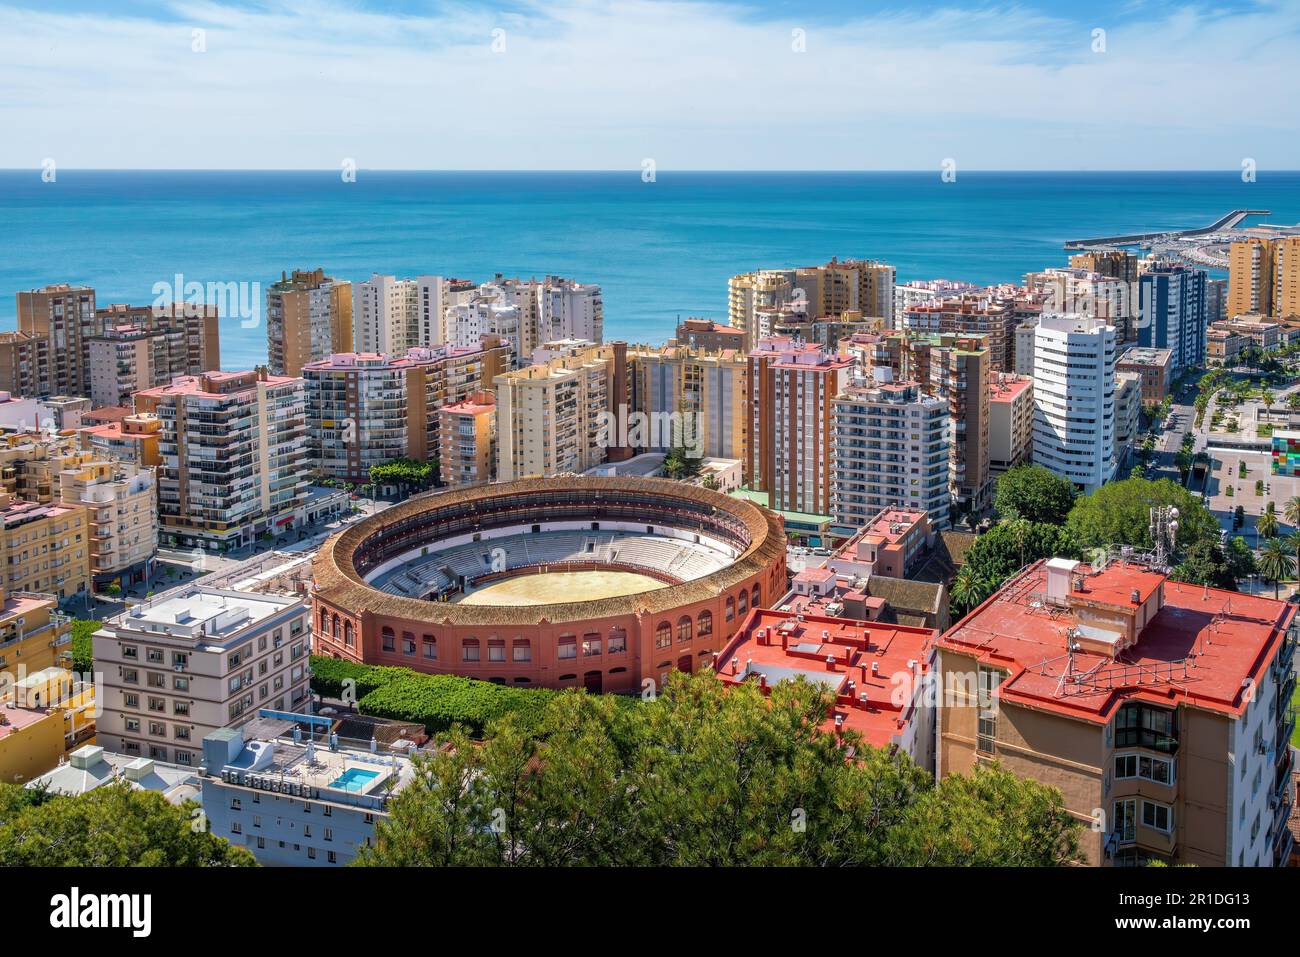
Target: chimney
x=830, y=662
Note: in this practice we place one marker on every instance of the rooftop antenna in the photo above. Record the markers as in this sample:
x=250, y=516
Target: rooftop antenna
x=1164, y=533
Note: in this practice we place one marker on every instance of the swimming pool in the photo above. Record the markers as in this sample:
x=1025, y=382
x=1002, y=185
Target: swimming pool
x=354, y=779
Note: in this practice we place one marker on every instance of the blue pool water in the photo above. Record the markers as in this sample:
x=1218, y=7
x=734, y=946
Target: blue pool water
x=354, y=779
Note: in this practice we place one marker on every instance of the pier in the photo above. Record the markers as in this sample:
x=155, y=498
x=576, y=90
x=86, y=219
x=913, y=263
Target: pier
x=1230, y=221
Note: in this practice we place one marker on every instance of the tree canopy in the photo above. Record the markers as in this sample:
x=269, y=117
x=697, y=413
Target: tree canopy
x=112, y=826
x=1009, y=546
x=707, y=775
x=1119, y=513
x=1035, y=494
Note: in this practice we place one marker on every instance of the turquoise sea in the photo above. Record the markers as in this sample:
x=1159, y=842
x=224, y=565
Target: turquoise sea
x=659, y=250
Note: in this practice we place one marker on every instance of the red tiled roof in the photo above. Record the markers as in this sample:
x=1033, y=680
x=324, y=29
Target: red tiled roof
x=1198, y=649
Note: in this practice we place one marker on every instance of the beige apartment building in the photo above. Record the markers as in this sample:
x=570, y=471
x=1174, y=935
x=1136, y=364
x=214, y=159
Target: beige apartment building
x=752, y=293
x=562, y=416
x=1160, y=710
x=701, y=393
x=132, y=439
x=64, y=317
x=1264, y=277
x=140, y=347
x=193, y=661
x=1011, y=422
x=24, y=364
x=792, y=390
x=122, y=514
x=467, y=440
x=308, y=318
x=45, y=548
x=365, y=408
x=234, y=456
x=34, y=634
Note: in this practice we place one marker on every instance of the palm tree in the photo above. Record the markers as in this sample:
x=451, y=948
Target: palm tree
x=1292, y=542
x=1291, y=511
x=969, y=589
x=1275, y=563
x=1267, y=524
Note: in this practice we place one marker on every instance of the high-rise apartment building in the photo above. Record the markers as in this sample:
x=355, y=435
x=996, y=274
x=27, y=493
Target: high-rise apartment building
x=1250, y=278
x=24, y=364
x=1011, y=422
x=365, y=409
x=195, y=660
x=1115, y=263
x=527, y=313
x=1090, y=294
x=1074, y=398
x=390, y=315
x=701, y=392
x=234, y=457
x=308, y=317
x=995, y=319
x=1173, y=314
x=792, y=388
x=139, y=347
x=891, y=451
x=959, y=371
x=467, y=440
x=64, y=317
x=751, y=293
x=122, y=517
x=1160, y=710
x=562, y=415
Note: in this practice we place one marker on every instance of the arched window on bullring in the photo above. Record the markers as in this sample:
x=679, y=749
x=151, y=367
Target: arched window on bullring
x=685, y=628
x=704, y=624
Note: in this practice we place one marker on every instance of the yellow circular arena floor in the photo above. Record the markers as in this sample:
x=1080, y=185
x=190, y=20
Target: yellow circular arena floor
x=555, y=587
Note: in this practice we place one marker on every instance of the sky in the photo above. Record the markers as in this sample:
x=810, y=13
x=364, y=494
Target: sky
x=614, y=84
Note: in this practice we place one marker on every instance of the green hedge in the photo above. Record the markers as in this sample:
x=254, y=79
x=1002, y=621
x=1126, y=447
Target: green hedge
x=82, y=647
x=435, y=701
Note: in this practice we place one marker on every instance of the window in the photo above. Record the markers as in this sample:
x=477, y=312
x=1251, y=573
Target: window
x=987, y=731
x=430, y=648
x=1125, y=823
x=1144, y=766
x=704, y=624
x=663, y=635
x=390, y=640
x=496, y=649
x=1140, y=725
x=617, y=641
x=685, y=628
x=522, y=650
x=469, y=650
x=731, y=608
x=591, y=645
x=1159, y=817
x=567, y=647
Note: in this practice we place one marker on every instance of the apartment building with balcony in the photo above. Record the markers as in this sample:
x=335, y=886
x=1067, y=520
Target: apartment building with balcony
x=891, y=444
x=131, y=440
x=34, y=634
x=467, y=440
x=308, y=317
x=139, y=347
x=1264, y=277
x=1173, y=316
x=704, y=391
x=195, y=660
x=63, y=317
x=122, y=515
x=25, y=364
x=1074, y=398
x=792, y=388
x=45, y=548
x=562, y=415
x=995, y=317
x=234, y=456
x=365, y=409
x=1011, y=422
x=1160, y=710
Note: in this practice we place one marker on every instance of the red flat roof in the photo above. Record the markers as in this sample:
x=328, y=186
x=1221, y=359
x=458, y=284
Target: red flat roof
x=1006, y=391
x=1199, y=649
x=854, y=645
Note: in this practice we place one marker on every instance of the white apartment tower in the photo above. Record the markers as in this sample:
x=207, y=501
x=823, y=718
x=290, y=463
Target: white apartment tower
x=1074, y=398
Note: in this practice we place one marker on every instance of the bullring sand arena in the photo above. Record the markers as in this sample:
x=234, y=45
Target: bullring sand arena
x=578, y=581
x=552, y=587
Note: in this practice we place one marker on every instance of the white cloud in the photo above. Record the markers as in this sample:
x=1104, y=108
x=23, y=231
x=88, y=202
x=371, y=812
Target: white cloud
x=605, y=83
